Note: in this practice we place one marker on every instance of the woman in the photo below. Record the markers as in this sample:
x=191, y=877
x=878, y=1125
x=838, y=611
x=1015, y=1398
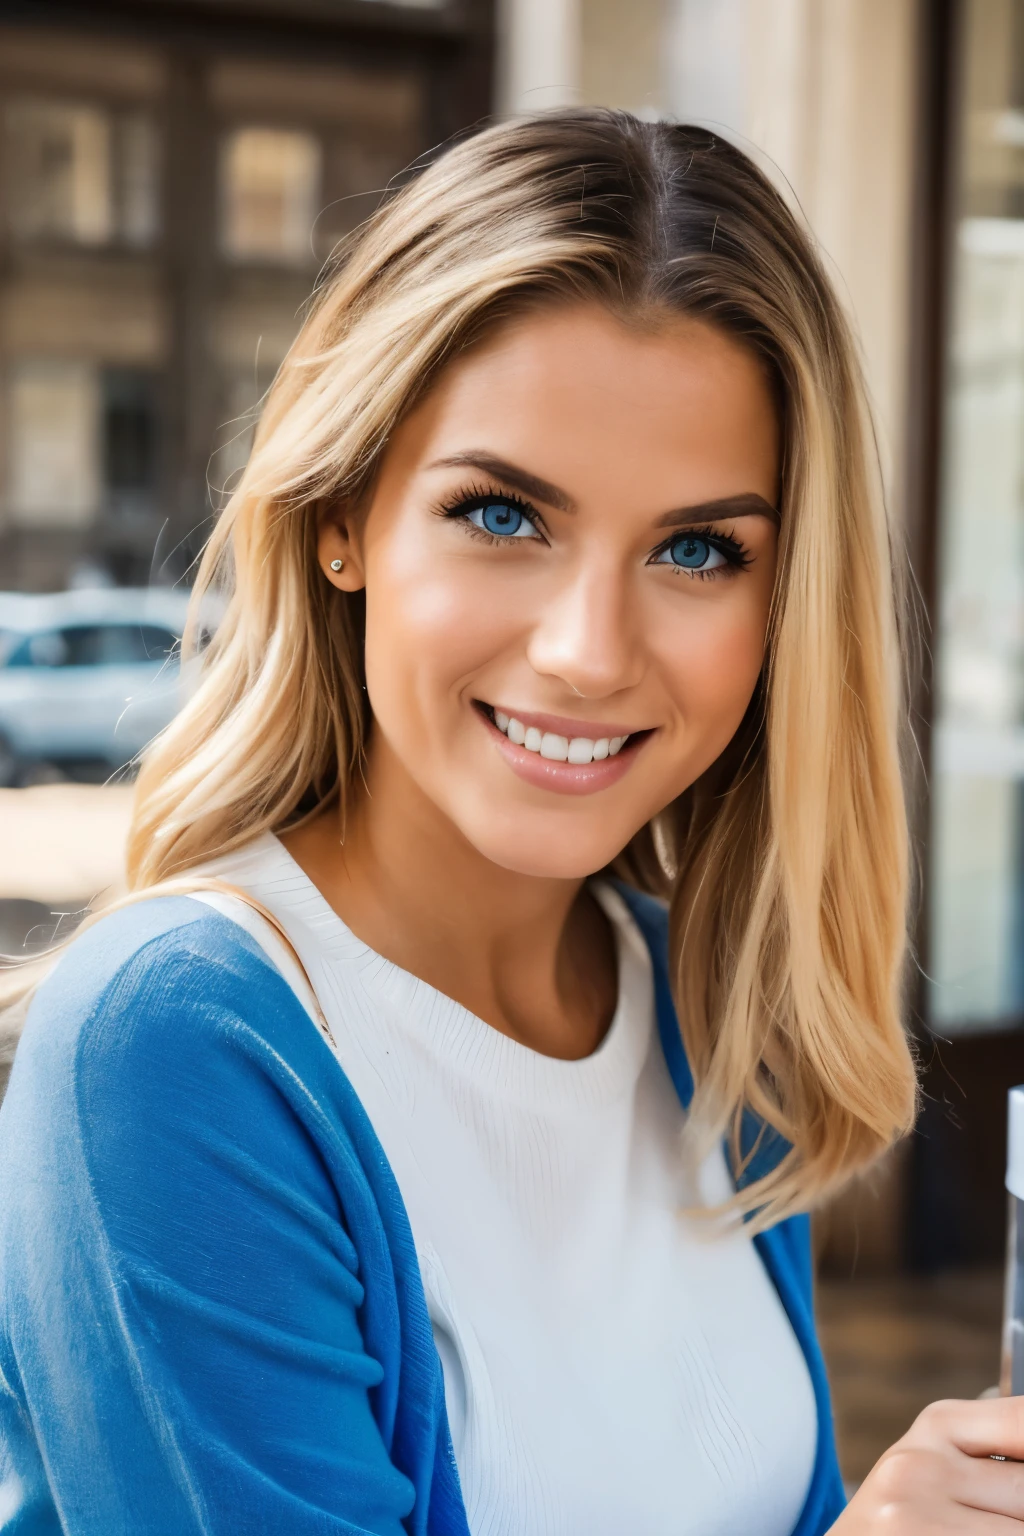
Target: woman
x=364, y=1180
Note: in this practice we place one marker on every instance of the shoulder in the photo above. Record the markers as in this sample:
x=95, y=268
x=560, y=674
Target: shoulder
x=144, y=936
x=152, y=963
x=151, y=1010
x=165, y=1061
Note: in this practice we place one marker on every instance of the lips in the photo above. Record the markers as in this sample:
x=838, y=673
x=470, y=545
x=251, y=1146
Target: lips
x=555, y=746
x=553, y=752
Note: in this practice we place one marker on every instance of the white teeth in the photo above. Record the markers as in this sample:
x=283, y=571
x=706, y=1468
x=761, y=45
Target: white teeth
x=558, y=749
x=554, y=747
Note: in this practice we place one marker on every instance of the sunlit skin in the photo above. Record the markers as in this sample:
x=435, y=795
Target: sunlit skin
x=465, y=856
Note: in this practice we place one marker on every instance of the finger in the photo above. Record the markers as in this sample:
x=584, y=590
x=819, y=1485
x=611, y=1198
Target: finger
x=997, y=1487
x=989, y=1428
x=984, y=1524
x=937, y=1520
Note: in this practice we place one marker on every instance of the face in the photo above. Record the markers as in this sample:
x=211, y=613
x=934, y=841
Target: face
x=569, y=557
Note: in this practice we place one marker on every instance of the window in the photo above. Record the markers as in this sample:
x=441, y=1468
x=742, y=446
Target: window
x=54, y=471
x=47, y=650
x=129, y=440
x=81, y=173
x=82, y=441
x=269, y=193
x=977, y=906
x=95, y=645
x=137, y=178
x=61, y=162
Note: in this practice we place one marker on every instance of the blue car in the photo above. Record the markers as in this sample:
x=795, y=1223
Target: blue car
x=87, y=678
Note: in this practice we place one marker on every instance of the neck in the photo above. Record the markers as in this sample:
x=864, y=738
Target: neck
x=531, y=956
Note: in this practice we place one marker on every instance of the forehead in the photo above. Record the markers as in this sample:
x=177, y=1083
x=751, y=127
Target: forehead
x=596, y=405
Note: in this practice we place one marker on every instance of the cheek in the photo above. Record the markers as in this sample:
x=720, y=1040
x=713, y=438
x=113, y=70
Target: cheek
x=712, y=665
x=430, y=621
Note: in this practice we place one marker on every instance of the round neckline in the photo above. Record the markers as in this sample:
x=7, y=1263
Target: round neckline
x=432, y=1020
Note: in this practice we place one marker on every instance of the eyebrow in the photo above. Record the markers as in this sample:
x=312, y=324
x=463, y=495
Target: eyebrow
x=510, y=474
x=745, y=504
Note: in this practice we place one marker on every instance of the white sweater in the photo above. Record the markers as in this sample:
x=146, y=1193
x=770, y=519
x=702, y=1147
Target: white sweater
x=611, y=1366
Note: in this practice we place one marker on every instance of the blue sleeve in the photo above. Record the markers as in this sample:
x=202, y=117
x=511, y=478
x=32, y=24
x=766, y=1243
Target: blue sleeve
x=181, y=1349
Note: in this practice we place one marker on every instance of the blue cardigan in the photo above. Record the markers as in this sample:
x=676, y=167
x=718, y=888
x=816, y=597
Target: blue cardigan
x=211, y=1313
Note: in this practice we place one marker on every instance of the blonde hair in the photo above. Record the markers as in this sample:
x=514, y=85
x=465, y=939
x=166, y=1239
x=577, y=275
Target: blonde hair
x=786, y=863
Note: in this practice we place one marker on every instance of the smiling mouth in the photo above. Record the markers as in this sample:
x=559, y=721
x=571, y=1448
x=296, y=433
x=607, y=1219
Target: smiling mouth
x=553, y=746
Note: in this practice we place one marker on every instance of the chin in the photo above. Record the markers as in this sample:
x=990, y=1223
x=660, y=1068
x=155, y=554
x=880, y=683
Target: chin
x=542, y=856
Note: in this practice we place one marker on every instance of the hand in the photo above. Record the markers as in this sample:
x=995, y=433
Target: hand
x=939, y=1477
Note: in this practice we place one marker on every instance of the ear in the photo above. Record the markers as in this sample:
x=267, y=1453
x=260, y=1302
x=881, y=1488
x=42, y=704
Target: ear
x=337, y=541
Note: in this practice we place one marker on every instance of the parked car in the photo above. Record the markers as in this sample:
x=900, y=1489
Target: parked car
x=87, y=678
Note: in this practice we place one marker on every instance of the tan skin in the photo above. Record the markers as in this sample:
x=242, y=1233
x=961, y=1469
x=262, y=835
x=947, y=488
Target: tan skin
x=459, y=861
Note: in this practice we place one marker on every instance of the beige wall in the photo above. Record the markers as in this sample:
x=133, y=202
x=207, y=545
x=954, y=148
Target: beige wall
x=831, y=101
x=539, y=60
x=623, y=68
x=823, y=88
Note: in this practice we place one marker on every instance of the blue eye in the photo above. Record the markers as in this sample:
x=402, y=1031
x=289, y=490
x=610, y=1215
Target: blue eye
x=502, y=521
x=690, y=553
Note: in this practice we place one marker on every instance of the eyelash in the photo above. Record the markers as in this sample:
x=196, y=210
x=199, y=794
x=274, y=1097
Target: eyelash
x=458, y=507
x=737, y=556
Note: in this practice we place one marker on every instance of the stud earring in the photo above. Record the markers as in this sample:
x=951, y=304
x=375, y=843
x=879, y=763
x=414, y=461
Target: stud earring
x=336, y=565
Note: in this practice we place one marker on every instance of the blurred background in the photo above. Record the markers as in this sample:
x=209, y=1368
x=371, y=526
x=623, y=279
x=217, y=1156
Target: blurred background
x=173, y=173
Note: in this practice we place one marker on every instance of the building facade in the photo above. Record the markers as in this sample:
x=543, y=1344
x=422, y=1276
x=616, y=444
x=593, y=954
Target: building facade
x=172, y=179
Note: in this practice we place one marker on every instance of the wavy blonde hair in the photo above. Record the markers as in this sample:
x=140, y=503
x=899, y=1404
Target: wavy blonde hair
x=786, y=864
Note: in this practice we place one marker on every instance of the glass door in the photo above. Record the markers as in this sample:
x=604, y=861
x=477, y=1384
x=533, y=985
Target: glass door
x=976, y=949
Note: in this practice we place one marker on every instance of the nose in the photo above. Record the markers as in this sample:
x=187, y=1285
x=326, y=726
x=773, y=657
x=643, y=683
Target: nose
x=588, y=634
